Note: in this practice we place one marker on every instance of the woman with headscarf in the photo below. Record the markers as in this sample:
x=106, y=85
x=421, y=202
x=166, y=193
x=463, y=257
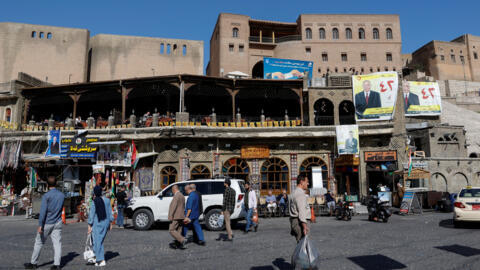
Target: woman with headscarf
x=99, y=222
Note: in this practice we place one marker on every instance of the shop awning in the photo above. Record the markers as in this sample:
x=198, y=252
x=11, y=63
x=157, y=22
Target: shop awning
x=415, y=174
x=147, y=154
x=108, y=143
x=39, y=158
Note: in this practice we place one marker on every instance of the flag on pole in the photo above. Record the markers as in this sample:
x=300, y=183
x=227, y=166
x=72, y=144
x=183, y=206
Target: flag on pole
x=33, y=178
x=409, y=162
x=134, y=155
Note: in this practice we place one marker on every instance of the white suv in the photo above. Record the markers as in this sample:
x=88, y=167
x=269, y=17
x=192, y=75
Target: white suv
x=146, y=210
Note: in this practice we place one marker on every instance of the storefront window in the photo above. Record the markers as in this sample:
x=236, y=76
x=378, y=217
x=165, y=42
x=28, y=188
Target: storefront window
x=200, y=172
x=236, y=168
x=275, y=176
x=306, y=169
x=168, y=176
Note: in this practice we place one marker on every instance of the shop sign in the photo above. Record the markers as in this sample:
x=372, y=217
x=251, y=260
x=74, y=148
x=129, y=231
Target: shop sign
x=347, y=160
x=417, y=165
x=257, y=151
x=380, y=156
x=79, y=147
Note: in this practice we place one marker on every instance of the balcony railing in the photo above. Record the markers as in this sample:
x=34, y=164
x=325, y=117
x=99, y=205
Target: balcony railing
x=270, y=40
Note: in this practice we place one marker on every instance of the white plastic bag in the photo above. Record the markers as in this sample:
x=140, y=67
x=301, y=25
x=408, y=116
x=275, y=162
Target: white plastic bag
x=306, y=255
x=221, y=220
x=88, y=253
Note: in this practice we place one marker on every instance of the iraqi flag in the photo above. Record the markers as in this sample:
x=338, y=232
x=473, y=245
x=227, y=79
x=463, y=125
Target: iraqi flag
x=134, y=155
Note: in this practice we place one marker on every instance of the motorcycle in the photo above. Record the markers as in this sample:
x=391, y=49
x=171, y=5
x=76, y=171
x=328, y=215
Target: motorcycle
x=344, y=210
x=378, y=210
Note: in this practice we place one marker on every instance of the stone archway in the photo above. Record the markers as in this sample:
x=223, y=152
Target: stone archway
x=346, y=113
x=324, y=112
x=439, y=182
x=460, y=181
x=257, y=70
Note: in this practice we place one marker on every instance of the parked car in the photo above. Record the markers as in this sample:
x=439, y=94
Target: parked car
x=144, y=211
x=467, y=206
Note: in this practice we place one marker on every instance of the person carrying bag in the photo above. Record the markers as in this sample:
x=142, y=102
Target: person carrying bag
x=88, y=254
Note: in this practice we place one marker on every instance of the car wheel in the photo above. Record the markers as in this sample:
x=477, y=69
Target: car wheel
x=142, y=219
x=338, y=214
x=211, y=220
x=348, y=215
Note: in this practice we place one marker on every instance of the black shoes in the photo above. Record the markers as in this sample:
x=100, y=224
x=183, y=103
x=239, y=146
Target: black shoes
x=256, y=228
x=201, y=243
x=183, y=245
x=30, y=266
x=55, y=267
x=228, y=240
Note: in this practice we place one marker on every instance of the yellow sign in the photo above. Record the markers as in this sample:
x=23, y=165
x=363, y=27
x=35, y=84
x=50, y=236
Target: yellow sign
x=255, y=151
x=422, y=98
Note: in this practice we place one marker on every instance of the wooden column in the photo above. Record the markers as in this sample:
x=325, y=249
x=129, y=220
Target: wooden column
x=273, y=36
x=260, y=35
x=124, y=91
x=233, y=93
x=300, y=99
x=75, y=98
x=26, y=106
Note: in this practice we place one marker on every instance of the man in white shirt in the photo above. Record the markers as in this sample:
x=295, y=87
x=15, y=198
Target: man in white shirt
x=250, y=203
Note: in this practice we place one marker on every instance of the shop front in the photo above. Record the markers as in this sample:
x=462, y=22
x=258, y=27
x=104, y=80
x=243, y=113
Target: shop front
x=380, y=167
x=346, y=173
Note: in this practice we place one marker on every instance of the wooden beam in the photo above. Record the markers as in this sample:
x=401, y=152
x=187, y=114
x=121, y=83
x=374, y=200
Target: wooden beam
x=124, y=91
x=75, y=98
x=26, y=106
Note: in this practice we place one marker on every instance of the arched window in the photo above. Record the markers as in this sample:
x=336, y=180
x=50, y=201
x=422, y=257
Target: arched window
x=40, y=35
x=348, y=33
x=236, y=168
x=8, y=114
x=321, y=33
x=324, y=112
x=200, y=172
x=389, y=33
x=168, y=48
x=235, y=32
x=376, y=34
x=308, y=33
x=274, y=175
x=306, y=169
x=335, y=33
x=361, y=33
x=49, y=36
x=162, y=48
x=168, y=175
x=346, y=112
x=34, y=34
x=184, y=50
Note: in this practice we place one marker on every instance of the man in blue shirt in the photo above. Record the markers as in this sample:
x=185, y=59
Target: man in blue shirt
x=271, y=202
x=49, y=224
x=192, y=214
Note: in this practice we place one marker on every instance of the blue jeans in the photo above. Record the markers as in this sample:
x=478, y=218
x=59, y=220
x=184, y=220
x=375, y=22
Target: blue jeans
x=197, y=229
x=120, y=215
x=249, y=219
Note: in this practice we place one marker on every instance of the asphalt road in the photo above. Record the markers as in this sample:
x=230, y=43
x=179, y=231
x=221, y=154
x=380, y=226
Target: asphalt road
x=426, y=241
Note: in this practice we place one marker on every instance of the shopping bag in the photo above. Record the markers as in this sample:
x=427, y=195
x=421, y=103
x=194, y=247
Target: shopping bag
x=221, y=220
x=306, y=255
x=88, y=253
x=255, y=217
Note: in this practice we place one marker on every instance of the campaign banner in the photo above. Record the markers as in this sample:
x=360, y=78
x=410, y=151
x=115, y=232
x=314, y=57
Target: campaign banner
x=286, y=69
x=347, y=140
x=421, y=98
x=54, y=143
x=375, y=95
x=79, y=147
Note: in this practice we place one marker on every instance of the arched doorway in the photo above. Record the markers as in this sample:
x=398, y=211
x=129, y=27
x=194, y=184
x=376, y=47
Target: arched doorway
x=43, y=107
x=274, y=175
x=200, y=99
x=346, y=113
x=459, y=181
x=257, y=70
x=324, y=112
x=100, y=103
x=274, y=101
x=168, y=175
x=439, y=182
x=200, y=172
x=164, y=97
x=236, y=168
x=306, y=169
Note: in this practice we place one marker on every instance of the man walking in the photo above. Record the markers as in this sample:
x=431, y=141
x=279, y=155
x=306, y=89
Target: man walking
x=250, y=203
x=298, y=207
x=49, y=223
x=330, y=202
x=176, y=215
x=228, y=207
x=192, y=213
x=121, y=204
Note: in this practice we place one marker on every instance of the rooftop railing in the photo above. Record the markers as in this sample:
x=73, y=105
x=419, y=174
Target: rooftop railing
x=270, y=40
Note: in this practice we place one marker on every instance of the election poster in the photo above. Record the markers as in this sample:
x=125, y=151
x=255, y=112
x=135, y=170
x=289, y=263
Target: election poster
x=286, y=69
x=347, y=140
x=421, y=98
x=375, y=95
x=54, y=147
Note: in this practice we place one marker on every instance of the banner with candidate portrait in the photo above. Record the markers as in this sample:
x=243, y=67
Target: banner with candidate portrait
x=374, y=95
x=347, y=140
x=421, y=98
x=54, y=143
x=286, y=69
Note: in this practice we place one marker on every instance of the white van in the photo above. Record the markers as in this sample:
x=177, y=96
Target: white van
x=144, y=211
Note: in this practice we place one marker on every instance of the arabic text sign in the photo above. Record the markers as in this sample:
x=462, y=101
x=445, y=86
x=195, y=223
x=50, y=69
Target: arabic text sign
x=375, y=95
x=422, y=98
x=79, y=147
x=286, y=69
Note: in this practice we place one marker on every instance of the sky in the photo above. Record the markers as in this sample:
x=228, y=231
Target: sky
x=421, y=21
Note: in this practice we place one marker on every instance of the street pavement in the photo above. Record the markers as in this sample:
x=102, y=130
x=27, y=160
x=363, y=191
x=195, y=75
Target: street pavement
x=426, y=241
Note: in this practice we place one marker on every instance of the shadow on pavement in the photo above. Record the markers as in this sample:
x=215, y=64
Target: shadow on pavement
x=448, y=223
x=278, y=262
x=380, y=262
x=110, y=255
x=64, y=260
x=461, y=250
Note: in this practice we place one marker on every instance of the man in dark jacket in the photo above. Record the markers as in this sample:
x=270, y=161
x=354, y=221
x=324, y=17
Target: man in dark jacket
x=367, y=99
x=228, y=207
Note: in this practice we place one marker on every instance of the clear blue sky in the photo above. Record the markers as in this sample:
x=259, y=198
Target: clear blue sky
x=421, y=20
